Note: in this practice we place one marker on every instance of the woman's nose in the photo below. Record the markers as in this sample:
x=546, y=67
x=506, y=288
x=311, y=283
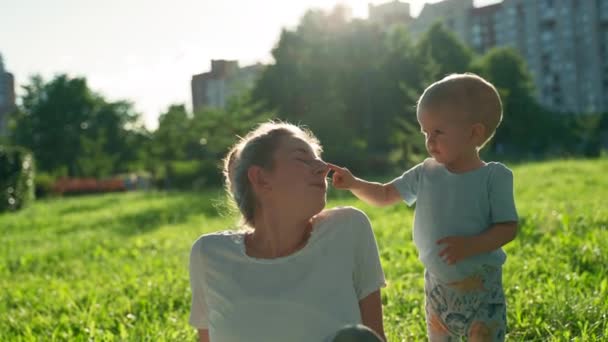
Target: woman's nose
x=320, y=166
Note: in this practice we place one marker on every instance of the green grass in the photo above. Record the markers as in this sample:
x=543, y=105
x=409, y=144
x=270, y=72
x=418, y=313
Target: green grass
x=114, y=267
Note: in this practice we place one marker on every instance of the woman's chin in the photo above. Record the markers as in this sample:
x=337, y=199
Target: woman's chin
x=318, y=206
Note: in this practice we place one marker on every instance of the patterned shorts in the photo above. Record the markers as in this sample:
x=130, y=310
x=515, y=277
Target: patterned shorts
x=472, y=306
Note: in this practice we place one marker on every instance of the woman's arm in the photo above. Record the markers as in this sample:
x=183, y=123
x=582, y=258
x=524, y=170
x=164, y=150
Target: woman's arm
x=371, y=313
x=203, y=335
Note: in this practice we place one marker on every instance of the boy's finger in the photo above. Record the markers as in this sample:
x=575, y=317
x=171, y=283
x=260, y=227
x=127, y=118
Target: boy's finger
x=334, y=167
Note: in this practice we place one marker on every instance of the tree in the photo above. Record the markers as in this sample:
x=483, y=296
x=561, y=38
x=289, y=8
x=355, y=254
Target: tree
x=188, y=149
x=73, y=131
x=407, y=73
x=447, y=53
x=526, y=127
x=348, y=81
x=171, y=138
x=214, y=131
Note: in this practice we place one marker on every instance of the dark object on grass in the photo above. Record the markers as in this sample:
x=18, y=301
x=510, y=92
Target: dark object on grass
x=356, y=333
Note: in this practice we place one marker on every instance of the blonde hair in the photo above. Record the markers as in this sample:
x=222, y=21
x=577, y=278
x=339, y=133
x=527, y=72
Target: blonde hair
x=468, y=94
x=258, y=148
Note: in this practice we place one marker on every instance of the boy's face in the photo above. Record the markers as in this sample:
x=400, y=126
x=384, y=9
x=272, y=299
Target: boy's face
x=448, y=135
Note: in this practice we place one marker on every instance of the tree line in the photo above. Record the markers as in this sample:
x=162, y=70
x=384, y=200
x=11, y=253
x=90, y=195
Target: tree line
x=352, y=82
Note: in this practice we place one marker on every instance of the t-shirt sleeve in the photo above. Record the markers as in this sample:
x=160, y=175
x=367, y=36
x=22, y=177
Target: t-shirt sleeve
x=198, y=308
x=502, y=201
x=407, y=184
x=368, y=275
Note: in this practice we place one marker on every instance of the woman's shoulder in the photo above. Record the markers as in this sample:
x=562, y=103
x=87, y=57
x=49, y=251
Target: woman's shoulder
x=216, y=240
x=346, y=214
x=341, y=219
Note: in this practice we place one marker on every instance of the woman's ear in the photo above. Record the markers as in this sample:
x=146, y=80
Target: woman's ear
x=258, y=179
x=478, y=134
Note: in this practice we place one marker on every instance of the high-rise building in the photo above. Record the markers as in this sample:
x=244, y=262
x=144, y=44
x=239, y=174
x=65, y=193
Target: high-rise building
x=214, y=88
x=454, y=14
x=7, y=96
x=482, y=32
x=390, y=13
x=564, y=43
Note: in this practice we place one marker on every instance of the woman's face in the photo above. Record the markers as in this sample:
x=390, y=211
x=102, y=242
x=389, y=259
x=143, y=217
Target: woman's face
x=298, y=179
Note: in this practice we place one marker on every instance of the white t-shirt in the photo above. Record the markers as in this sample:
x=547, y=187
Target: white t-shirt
x=305, y=296
x=456, y=204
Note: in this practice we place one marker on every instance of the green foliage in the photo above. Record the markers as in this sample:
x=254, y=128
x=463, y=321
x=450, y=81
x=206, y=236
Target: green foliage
x=349, y=81
x=43, y=184
x=190, y=175
x=585, y=134
x=410, y=144
x=354, y=83
x=16, y=178
x=526, y=129
x=127, y=277
x=171, y=137
x=68, y=126
x=187, y=149
x=446, y=52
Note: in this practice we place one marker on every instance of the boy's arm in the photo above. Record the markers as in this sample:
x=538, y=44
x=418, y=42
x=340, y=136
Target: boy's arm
x=375, y=193
x=498, y=235
x=461, y=247
x=370, y=192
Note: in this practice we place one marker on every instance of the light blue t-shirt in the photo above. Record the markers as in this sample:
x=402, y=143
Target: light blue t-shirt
x=451, y=204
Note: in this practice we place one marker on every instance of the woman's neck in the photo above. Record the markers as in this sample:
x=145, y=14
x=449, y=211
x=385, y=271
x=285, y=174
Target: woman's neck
x=275, y=237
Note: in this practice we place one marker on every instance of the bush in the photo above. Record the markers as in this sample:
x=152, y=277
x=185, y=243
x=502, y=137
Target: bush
x=189, y=175
x=43, y=184
x=16, y=178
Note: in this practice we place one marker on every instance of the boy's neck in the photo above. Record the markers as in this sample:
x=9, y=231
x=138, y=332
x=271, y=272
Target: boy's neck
x=465, y=164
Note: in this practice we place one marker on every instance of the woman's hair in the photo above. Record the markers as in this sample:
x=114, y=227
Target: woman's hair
x=258, y=148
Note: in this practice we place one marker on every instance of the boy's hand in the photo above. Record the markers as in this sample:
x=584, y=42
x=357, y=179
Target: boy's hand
x=457, y=248
x=342, y=178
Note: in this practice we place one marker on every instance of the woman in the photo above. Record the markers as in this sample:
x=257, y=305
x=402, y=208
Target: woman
x=297, y=272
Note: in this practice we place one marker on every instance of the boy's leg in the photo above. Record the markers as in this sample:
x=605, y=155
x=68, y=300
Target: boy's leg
x=473, y=308
x=490, y=321
x=436, y=330
x=489, y=324
x=435, y=304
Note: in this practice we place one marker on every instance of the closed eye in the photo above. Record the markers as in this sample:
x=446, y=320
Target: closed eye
x=305, y=161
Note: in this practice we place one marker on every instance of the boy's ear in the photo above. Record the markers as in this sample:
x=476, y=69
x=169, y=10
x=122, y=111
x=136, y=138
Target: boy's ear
x=258, y=179
x=478, y=133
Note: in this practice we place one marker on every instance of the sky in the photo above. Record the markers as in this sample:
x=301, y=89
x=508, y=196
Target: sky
x=146, y=51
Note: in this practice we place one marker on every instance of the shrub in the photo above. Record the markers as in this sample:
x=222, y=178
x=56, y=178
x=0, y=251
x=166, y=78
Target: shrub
x=189, y=175
x=16, y=178
x=43, y=184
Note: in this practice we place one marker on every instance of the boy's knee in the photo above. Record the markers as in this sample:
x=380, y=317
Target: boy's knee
x=435, y=324
x=480, y=332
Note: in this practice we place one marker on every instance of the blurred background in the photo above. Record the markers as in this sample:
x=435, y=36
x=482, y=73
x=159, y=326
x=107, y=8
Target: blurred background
x=121, y=95
x=132, y=105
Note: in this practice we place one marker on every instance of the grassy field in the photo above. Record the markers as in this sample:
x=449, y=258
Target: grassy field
x=114, y=267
